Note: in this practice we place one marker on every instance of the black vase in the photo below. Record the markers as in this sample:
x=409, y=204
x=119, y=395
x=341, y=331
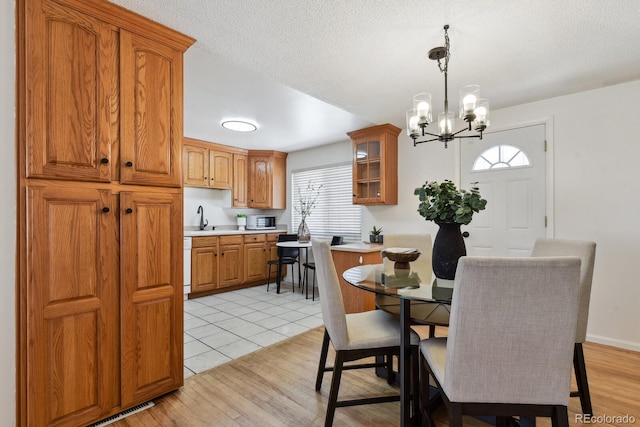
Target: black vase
x=447, y=249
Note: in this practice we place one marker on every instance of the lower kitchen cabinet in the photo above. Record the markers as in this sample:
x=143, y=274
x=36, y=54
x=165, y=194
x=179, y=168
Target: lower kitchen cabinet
x=255, y=256
x=205, y=264
x=231, y=260
x=103, y=276
x=351, y=255
x=151, y=300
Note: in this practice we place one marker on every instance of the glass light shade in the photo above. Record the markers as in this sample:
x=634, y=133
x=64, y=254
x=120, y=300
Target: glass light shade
x=413, y=126
x=482, y=114
x=469, y=96
x=422, y=105
x=445, y=123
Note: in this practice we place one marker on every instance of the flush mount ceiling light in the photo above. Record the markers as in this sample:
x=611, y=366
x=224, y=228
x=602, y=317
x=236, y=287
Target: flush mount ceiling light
x=239, y=125
x=473, y=109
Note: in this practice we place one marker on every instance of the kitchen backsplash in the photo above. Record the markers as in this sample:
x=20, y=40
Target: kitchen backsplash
x=217, y=210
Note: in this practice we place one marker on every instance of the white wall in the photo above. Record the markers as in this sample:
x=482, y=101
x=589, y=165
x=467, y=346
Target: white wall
x=597, y=196
x=7, y=214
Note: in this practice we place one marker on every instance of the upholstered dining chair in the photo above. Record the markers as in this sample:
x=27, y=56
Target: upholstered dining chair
x=286, y=256
x=499, y=358
x=354, y=336
x=311, y=266
x=586, y=251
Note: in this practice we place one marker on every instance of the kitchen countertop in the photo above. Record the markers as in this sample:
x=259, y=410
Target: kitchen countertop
x=223, y=232
x=361, y=247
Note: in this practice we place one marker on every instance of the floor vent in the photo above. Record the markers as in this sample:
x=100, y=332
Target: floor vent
x=123, y=414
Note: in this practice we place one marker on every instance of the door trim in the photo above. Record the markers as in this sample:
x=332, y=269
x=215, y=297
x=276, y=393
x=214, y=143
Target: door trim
x=549, y=170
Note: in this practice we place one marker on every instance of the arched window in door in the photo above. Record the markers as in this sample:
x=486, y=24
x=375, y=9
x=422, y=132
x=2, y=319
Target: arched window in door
x=501, y=156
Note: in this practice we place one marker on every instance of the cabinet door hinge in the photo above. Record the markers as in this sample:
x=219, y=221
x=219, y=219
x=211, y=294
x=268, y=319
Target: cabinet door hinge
x=545, y=145
x=545, y=221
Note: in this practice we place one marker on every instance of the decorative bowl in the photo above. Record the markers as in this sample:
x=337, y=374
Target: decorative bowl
x=400, y=256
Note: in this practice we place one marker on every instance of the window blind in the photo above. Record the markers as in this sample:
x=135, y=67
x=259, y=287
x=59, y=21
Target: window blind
x=334, y=213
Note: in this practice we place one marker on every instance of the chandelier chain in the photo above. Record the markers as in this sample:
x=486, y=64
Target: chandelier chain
x=445, y=68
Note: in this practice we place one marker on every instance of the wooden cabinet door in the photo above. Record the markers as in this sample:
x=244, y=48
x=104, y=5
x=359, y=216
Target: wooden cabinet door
x=204, y=268
x=72, y=299
x=151, y=294
x=220, y=169
x=231, y=263
x=259, y=182
x=196, y=166
x=151, y=105
x=255, y=258
x=72, y=97
x=240, y=174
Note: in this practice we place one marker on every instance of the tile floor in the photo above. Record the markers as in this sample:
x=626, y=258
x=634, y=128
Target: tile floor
x=222, y=327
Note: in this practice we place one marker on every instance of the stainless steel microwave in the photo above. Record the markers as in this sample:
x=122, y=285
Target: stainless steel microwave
x=261, y=222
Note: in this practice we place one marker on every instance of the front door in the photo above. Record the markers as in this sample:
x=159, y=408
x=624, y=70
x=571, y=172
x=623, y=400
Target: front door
x=510, y=169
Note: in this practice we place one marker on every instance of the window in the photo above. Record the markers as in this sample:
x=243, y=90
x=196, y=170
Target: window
x=501, y=156
x=334, y=213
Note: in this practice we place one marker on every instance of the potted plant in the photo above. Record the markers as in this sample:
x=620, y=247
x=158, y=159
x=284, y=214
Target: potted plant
x=241, y=220
x=449, y=207
x=375, y=235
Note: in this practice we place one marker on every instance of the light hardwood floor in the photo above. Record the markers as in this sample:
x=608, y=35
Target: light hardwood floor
x=275, y=387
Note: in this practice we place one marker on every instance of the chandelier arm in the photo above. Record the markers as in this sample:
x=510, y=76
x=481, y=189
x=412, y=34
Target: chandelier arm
x=416, y=142
x=460, y=131
x=429, y=133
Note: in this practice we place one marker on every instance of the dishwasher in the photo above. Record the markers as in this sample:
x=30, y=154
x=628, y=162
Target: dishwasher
x=187, y=266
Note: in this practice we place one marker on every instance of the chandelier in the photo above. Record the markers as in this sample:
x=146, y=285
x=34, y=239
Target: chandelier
x=473, y=109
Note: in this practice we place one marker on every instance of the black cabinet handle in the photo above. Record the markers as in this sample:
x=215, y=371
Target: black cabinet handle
x=104, y=160
x=128, y=210
x=105, y=209
x=128, y=164
x=465, y=234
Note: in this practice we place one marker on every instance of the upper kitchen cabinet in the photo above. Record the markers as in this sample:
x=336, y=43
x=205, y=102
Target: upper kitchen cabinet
x=240, y=188
x=375, y=165
x=267, y=179
x=72, y=101
x=151, y=104
x=211, y=165
x=103, y=104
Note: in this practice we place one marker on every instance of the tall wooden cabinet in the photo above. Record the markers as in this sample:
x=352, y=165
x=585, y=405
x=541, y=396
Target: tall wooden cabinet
x=375, y=165
x=100, y=200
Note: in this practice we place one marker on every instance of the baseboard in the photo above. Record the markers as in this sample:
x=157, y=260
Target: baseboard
x=627, y=345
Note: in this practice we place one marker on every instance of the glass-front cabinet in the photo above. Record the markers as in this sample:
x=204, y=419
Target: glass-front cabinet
x=375, y=165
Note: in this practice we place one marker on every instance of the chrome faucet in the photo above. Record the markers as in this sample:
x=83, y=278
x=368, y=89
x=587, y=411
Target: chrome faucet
x=202, y=223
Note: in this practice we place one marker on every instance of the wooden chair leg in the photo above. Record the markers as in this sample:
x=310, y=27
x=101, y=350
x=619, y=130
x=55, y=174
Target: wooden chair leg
x=580, y=370
x=323, y=360
x=335, y=385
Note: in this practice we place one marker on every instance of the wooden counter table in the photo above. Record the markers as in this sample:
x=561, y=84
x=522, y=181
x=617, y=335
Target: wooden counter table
x=351, y=255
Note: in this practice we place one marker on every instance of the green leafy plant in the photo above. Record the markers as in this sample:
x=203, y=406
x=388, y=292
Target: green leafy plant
x=307, y=200
x=241, y=216
x=444, y=202
x=376, y=231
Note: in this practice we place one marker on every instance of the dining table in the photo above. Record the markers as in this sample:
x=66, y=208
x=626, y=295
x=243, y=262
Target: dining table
x=293, y=244
x=403, y=292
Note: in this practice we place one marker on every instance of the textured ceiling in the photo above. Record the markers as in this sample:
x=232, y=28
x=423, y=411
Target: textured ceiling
x=363, y=60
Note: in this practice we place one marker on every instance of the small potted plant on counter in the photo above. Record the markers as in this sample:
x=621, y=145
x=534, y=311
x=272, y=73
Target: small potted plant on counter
x=241, y=220
x=375, y=235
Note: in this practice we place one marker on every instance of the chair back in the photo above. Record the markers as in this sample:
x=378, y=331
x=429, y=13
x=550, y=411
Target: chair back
x=421, y=242
x=331, y=302
x=288, y=252
x=584, y=250
x=511, y=334
x=337, y=240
